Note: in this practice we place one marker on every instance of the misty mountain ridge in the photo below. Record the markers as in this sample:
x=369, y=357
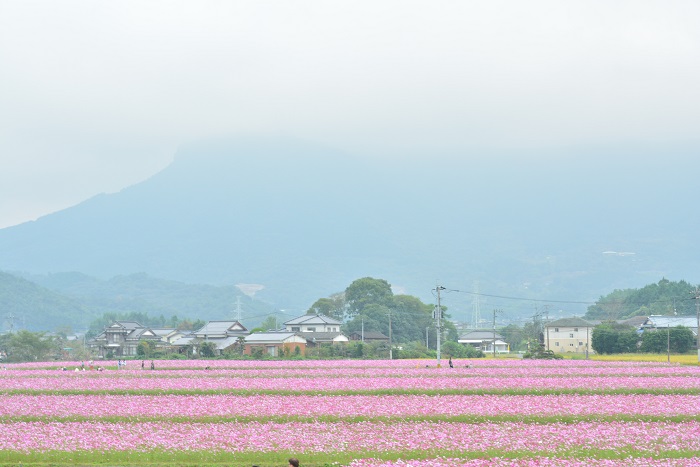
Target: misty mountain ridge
x=74, y=300
x=304, y=221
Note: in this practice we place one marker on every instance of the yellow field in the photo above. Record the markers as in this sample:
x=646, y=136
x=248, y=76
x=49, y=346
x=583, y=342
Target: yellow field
x=686, y=359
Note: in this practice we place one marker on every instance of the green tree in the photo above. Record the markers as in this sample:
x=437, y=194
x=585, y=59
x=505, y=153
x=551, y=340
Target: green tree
x=26, y=346
x=269, y=323
x=333, y=307
x=367, y=291
x=682, y=339
x=207, y=349
x=611, y=338
x=657, y=341
x=144, y=349
x=603, y=340
x=454, y=349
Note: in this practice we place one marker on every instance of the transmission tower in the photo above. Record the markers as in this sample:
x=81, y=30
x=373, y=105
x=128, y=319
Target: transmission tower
x=238, y=308
x=476, y=310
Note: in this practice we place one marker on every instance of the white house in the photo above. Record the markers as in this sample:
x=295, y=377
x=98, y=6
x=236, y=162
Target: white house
x=313, y=323
x=485, y=340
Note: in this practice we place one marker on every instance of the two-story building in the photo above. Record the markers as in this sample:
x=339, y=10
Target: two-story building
x=313, y=323
x=223, y=334
x=569, y=335
x=121, y=339
x=317, y=329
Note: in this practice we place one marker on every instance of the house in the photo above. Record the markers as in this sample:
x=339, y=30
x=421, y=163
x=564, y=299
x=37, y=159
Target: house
x=369, y=336
x=223, y=334
x=317, y=338
x=485, y=341
x=569, y=335
x=168, y=335
x=313, y=323
x=275, y=343
x=662, y=322
x=121, y=339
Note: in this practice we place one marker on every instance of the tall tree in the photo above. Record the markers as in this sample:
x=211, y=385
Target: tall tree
x=26, y=346
x=366, y=291
x=333, y=307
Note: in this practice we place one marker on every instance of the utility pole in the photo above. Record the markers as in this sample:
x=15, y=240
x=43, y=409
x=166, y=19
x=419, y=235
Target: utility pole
x=438, y=324
x=494, y=331
x=391, y=344
x=427, y=343
x=696, y=296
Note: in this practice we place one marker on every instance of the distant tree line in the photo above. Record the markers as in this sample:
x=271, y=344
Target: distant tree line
x=612, y=338
x=663, y=298
x=369, y=304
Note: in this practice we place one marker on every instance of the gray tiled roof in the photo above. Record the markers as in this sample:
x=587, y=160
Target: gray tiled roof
x=479, y=335
x=221, y=328
x=268, y=337
x=573, y=322
x=320, y=336
x=313, y=319
x=371, y=335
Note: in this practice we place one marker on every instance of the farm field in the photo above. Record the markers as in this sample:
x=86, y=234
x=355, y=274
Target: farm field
x=352, y=413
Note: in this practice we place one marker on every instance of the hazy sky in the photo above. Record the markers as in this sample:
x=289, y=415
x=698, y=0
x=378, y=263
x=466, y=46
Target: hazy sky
x=97, y=95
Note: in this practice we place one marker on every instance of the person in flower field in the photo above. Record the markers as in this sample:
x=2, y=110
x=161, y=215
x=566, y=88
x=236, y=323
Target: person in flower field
x=293, y=462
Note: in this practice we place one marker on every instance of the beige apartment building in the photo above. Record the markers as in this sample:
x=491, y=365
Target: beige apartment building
x=568, y=335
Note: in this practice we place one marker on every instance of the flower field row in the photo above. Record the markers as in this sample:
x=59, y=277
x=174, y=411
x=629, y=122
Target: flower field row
x=400, y=372
x=395, y=406
x=201, y=382
x=358, y=414
x=644, y=438
x=558, y=365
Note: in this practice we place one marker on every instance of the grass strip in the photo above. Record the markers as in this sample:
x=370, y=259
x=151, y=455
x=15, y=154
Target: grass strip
x=326, y=459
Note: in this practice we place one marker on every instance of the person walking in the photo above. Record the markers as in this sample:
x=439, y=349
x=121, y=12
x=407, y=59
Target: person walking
x=153, y=365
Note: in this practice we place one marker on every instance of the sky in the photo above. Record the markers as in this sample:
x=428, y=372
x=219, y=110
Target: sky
x=98, y=95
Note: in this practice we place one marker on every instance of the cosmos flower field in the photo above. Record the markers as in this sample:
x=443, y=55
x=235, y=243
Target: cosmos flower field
x=353, y=413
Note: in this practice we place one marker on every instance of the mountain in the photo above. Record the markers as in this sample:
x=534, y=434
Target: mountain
x=303, y=221
x=26, y=305
x=51, y=301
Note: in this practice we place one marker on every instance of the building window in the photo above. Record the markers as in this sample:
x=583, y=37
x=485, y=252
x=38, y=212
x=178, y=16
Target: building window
x=571, y=345
x=580, y=343
x=571, y=335
x=296, y=328
x=556, y=344
x=556, y=329
x=312, y=329
x=575, y=329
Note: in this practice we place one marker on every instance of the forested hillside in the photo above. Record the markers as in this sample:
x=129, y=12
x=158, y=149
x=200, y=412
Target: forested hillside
x=26, y=305
x=663, y=298
x=75, y=300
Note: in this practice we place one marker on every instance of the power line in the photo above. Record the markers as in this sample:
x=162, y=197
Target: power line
x=578, y=302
